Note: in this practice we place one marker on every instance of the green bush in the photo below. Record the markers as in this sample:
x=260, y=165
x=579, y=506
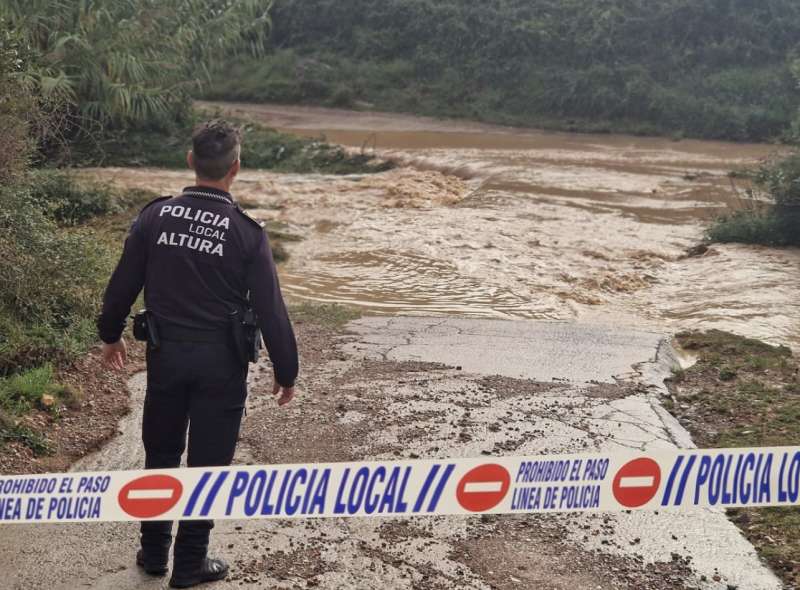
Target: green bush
x=748, y=227
x=69, y=202
x=776, y=224
x=51, y=280
x=23, y=119
x=157, y=145
x=781, y=179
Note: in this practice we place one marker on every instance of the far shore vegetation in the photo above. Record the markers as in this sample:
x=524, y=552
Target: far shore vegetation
x=714, y=69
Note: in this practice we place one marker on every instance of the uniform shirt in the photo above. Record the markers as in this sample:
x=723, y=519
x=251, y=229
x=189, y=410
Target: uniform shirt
x=197, y=256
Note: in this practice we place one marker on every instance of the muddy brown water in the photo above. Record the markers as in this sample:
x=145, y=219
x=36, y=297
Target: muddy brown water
x=490, y=221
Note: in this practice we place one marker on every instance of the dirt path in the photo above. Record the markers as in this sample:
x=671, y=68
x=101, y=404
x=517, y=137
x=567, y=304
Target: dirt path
x=367, y=397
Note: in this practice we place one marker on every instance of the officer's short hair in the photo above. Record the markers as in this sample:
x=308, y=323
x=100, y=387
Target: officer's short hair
x=215, y=146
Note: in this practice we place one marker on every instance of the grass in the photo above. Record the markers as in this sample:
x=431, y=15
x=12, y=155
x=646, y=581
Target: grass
x=745, y=393
x=24, y=392
x=67, y=201
x=770, y=530
x=36, y=388
x=678, y=375
x=332, y=316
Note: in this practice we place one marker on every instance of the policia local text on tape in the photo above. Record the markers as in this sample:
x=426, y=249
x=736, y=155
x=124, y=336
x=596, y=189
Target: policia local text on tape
x=210, y=285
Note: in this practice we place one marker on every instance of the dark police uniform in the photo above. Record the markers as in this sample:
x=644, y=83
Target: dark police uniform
x=197, y=256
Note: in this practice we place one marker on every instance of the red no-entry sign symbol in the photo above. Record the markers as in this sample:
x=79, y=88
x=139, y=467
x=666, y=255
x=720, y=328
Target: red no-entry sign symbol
x=637, y=482
x=483, y=488
x=150, y=496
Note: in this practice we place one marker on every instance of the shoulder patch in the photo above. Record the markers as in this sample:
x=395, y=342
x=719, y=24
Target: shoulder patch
x=156, y=200
x=244, y=214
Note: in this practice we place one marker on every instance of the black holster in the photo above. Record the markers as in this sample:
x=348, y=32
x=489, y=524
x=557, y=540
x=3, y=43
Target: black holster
x=146, y=330
x=245, y=335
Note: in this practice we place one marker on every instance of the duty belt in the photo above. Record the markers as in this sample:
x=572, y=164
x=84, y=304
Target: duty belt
x=173, y=333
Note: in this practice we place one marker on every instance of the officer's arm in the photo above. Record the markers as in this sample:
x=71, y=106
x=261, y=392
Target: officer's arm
x=267, y=302
x=124, y=287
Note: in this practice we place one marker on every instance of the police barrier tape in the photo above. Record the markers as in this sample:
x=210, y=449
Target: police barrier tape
x=678, y=479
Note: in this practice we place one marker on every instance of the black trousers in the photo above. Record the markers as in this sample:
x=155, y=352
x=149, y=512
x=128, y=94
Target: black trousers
x=199, y=387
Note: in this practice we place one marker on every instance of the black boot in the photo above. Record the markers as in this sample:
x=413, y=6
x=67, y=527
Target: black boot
x=155, y=566
x=211, y=570
x=156, y=540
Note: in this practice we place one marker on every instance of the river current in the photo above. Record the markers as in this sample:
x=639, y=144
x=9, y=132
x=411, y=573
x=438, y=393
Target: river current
x=488, y=221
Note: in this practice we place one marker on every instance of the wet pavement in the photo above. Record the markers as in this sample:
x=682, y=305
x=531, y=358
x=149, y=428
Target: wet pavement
x=542, y=351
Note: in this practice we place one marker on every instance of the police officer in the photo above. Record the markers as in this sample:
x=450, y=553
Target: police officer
x=201, y=261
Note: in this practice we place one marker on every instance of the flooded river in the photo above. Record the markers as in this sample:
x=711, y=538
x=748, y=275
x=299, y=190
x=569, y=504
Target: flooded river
x=494, y=222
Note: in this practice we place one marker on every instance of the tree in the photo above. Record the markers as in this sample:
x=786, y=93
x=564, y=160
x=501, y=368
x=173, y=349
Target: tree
x=25, y=118
x=123, y=63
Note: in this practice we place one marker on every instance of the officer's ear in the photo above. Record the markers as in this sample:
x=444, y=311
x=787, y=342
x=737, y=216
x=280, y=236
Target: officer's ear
x=237, y=165
x=190, y=159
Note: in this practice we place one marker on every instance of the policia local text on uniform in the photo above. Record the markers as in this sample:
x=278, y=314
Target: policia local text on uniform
x=207, y=271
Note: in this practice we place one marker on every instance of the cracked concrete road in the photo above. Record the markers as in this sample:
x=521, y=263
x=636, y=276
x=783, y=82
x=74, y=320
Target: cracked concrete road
x=433, y=387
x=574, y=421
x=542, y=351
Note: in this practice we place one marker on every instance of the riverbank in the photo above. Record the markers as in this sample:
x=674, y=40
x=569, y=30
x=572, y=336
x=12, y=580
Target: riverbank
x=744, y=393
x=57, y=403
x=68, y=432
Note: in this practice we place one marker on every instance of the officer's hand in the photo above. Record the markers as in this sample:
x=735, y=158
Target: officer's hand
x=115, y=355
x=287, y=393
